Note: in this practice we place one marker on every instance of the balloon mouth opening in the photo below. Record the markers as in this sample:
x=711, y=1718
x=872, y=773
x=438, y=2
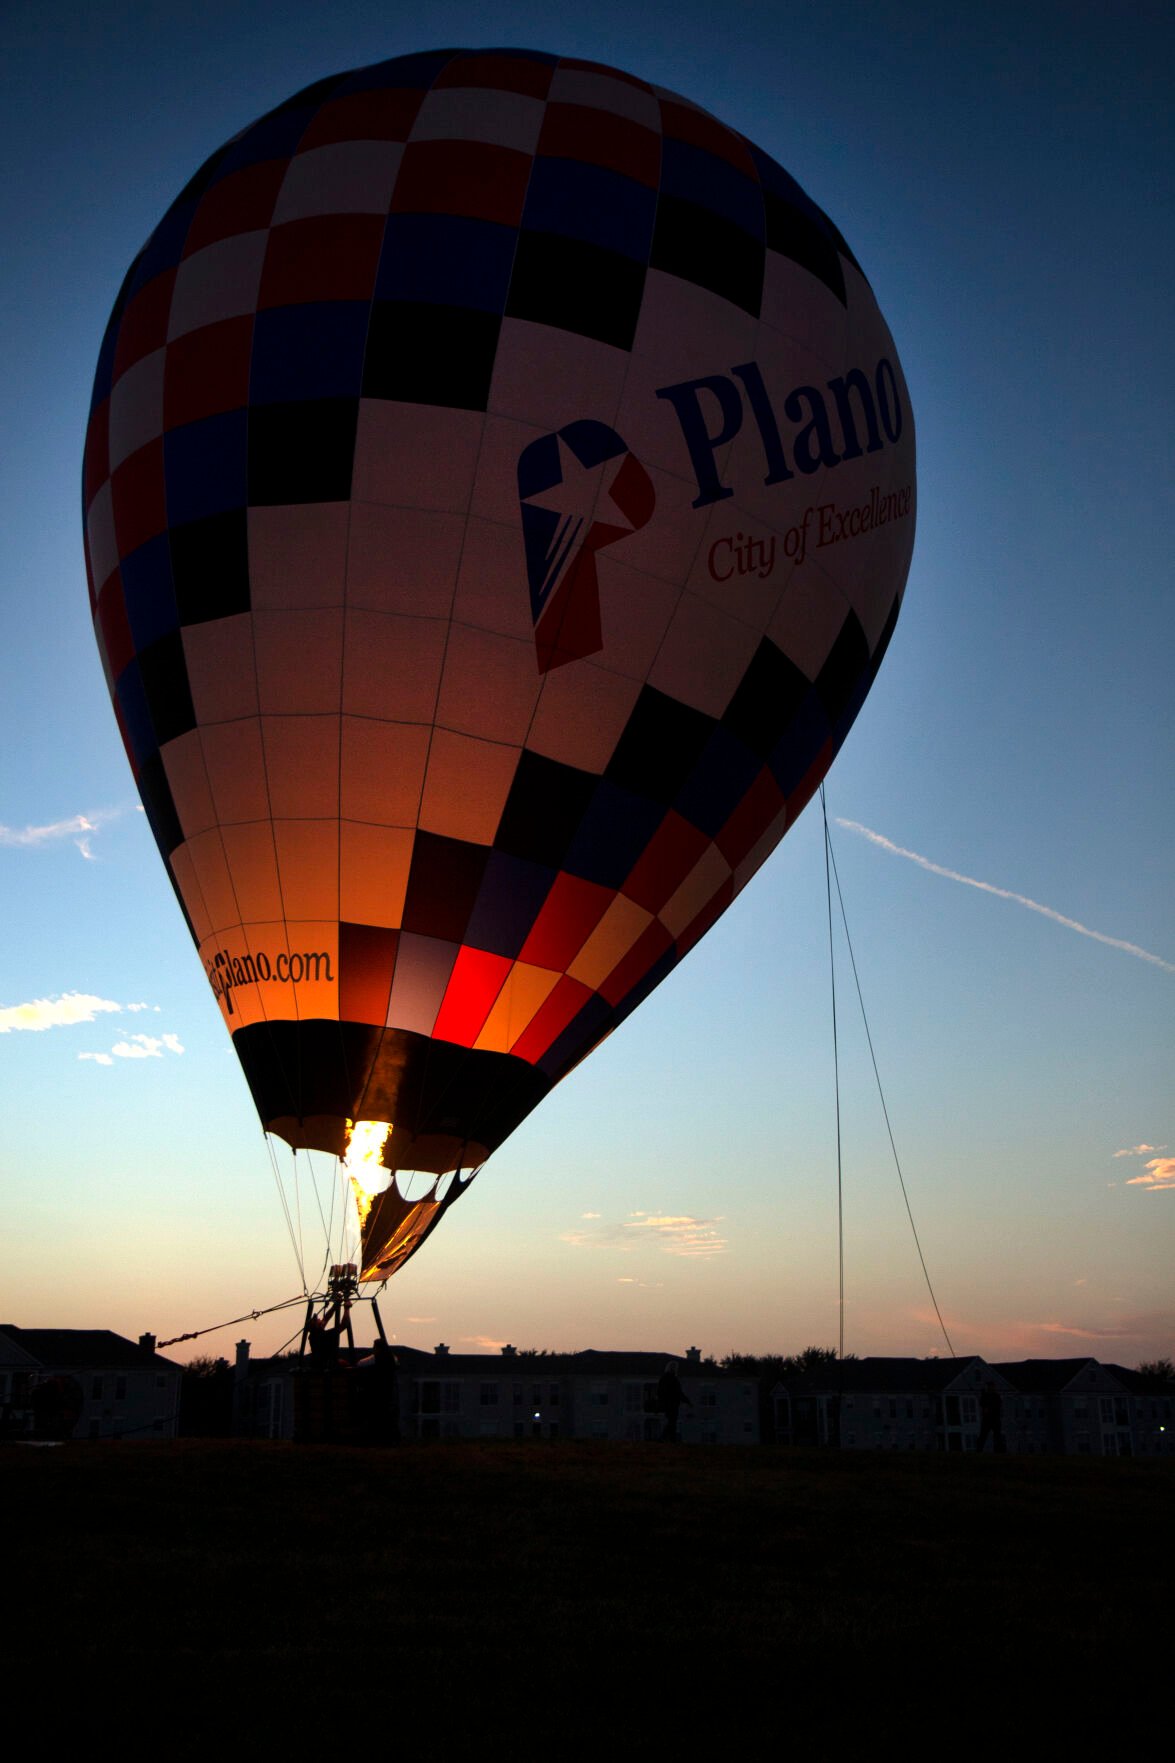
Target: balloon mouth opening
x=392, y=1224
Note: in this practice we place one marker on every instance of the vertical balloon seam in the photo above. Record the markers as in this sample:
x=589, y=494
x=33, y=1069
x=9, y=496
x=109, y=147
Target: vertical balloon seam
x=426, y=1060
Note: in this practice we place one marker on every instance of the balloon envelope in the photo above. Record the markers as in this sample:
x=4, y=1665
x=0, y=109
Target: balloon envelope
x=499, y=492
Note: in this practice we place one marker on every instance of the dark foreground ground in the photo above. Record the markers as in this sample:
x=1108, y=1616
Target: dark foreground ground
x=448, y=1588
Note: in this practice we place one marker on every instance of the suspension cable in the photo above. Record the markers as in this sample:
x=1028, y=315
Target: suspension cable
x=840, y=1209
x=830, y=858
x=281, y=1194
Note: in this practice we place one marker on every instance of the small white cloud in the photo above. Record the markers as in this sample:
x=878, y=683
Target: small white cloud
x=138, y=1047
x=674, y=1234
x=420, y=1319
x=1160, y=1174
x=589, y=1215
x=684, y=1234
x=146, y=1046
x=483, y=1340
x=61, y=1012
x=78, y=827
x=1140, y=1150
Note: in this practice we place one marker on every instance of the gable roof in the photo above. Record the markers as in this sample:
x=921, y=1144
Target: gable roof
x=1052, y=1376
x=888, y=1376
x=84, y=1349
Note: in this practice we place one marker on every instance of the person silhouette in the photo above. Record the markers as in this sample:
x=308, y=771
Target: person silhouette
x=670, y=1396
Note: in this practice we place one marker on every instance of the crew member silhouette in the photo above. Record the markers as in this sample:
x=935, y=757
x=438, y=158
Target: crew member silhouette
x=670, y=1396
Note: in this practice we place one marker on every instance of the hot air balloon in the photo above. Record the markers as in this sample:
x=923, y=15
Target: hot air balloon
x=499, y=493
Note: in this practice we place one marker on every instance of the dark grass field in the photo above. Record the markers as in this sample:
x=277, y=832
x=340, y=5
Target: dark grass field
x=554, y=1573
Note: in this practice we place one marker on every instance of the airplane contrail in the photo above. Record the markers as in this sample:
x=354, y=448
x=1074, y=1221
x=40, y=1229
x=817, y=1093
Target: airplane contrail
x=854, y=826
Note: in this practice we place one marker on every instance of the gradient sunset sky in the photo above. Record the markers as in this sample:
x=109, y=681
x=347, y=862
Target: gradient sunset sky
x=1001, y=812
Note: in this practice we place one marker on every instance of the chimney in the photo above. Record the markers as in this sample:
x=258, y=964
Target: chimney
x=693, y=1355
x=147, y=1342
x=242, y=1365
x=441, y=1350
x=509, y=1352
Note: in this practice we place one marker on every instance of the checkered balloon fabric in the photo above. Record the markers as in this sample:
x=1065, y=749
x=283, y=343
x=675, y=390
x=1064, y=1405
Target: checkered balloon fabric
x=498, y=493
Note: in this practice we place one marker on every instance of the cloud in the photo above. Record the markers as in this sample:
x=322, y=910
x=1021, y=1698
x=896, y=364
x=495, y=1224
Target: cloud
x=683, y=1235
x=1139, y=1150
x=60, y=1012
x=78, y=827
x=137, y=1047
x=969, y=881
x=1160, y=1175
x=484, y=1340
x=673, y=1234
x=420, y=1319
x=1128, y=1336
x=589, y=1215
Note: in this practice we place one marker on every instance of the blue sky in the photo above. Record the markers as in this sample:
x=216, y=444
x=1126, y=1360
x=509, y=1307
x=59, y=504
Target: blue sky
x=1004, y=175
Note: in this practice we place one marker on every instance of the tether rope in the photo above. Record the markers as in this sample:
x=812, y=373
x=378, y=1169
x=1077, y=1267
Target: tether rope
x=830, y=860
x=249, y=1316
x=840, y=1208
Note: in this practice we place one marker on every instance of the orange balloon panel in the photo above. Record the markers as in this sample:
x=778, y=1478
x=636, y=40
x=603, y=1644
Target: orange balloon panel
x=499, y=492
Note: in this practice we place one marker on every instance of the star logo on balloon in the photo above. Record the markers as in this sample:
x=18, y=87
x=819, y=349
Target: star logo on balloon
x=579, y=490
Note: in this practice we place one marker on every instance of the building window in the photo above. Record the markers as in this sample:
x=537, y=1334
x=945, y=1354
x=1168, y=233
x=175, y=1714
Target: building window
x=96, y=1388
x=708, y=1397
x=120, y=1389
x=488, y=1395
x=599, y=1396
x=634, y=1398
x=452, y=1397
